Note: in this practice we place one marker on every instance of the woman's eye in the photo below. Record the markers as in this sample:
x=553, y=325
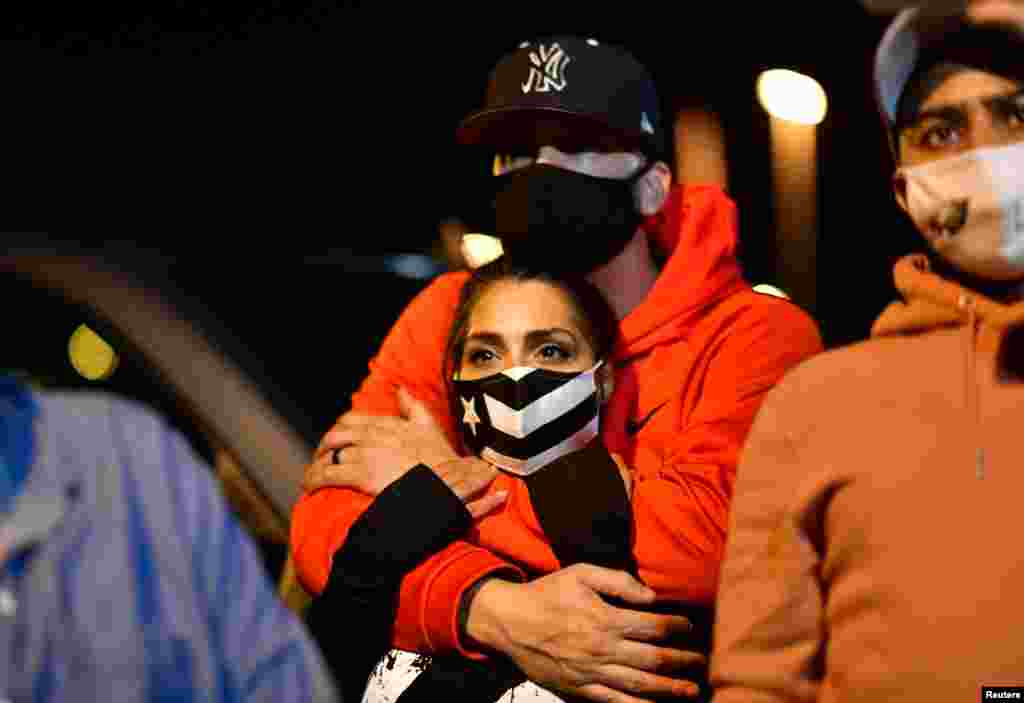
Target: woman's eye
x=553, y=352
x=481, y=356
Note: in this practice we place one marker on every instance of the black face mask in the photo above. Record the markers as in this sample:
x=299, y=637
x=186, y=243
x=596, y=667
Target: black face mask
x=560, y=220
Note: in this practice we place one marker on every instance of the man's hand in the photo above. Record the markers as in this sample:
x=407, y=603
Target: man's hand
x=382, y=448
x=373, y=452
x=415, y=438
x=564, y=636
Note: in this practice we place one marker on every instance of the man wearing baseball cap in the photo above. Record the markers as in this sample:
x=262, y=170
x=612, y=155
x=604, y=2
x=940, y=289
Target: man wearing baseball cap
x=874, y=549
x=580, y=187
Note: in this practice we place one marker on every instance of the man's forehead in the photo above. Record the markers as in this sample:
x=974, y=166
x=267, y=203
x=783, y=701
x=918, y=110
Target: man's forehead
x=968, y=86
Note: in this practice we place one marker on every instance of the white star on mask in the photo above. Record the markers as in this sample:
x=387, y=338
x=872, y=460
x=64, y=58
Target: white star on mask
x=470, y=418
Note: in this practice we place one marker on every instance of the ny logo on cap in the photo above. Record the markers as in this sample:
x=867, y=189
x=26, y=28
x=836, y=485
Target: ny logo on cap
x=548, y=70
x=645, y=124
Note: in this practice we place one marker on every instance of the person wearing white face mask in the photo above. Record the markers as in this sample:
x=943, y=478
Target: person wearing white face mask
x=956, y=130
x=874, y=549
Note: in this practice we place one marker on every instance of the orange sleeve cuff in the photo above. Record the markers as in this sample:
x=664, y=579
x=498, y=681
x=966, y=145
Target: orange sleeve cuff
x=443, y=593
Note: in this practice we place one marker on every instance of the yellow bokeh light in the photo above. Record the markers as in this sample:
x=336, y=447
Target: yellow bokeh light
x=792, y=96
x=480, y=249
x=91, y=355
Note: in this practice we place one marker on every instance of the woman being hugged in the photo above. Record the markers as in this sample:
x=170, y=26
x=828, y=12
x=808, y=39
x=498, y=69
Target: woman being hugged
x=527, y=376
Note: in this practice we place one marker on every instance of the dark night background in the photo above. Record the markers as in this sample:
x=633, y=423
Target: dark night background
x=260, y=158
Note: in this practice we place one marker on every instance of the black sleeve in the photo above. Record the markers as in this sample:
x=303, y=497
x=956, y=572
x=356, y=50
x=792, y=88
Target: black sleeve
x=411, y=519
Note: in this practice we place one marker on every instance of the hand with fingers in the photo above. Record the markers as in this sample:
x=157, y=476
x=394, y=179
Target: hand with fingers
x=368, y=453
x=563, y=635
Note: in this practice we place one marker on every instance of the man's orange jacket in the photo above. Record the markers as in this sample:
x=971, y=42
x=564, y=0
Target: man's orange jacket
x=692, y=366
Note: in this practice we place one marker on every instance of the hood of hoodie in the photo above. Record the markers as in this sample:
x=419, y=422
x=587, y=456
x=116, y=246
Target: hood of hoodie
x=932, y=301
x=698, y=228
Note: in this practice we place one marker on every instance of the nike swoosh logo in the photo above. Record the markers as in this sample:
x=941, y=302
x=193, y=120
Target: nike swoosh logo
x=634, y=426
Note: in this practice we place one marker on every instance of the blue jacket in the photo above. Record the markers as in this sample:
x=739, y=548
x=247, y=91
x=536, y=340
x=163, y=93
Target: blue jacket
x=123, y=575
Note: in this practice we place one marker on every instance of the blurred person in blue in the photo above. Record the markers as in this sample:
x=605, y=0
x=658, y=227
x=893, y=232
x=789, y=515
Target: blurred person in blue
x=123, y=575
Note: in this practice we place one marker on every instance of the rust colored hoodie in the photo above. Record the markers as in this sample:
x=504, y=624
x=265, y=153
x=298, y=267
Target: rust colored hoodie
x=875, y=549
x=694, y=362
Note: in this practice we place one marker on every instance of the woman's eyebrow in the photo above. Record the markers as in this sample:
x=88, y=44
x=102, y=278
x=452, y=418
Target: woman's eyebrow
x=536, y=337
x=491, y=338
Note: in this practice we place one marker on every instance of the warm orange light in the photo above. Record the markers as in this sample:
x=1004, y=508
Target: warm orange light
x=792, y=96
x=480, y=249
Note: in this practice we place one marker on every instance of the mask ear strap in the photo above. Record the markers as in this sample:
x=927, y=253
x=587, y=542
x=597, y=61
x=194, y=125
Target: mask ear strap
x=643, y=170
x=604, y=386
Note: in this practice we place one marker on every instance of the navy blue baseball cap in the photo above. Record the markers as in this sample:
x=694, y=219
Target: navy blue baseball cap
x=567, y=91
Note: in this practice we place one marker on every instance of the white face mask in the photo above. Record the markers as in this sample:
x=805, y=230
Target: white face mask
x=971, y=209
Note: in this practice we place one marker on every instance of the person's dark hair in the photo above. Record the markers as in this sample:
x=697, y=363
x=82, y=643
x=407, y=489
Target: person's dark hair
x=596, y=318
x=597, y=321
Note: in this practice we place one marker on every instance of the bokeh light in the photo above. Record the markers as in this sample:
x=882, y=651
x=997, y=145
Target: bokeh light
x=792, y=96
x=769, y=289
x=91, y=356
x=480, y=249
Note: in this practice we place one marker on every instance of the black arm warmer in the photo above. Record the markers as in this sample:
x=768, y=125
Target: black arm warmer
x=411, y=519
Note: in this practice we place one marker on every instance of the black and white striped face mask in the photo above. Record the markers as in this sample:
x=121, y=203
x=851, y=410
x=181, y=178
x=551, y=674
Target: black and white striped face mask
x=523, y=418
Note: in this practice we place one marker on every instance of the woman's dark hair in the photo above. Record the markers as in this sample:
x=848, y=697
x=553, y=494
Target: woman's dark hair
x=597, y=321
